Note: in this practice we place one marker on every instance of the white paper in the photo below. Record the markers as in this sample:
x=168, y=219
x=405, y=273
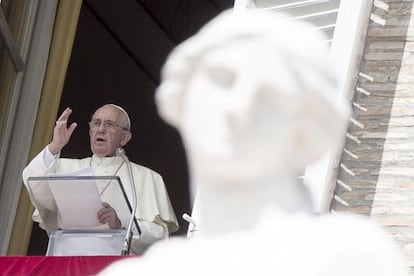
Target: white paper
x=78, y=202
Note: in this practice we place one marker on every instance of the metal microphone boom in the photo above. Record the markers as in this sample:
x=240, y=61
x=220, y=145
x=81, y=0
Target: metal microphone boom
x=128, y=237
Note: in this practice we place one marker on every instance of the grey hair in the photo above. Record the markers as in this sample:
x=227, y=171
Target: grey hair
x=126, y=122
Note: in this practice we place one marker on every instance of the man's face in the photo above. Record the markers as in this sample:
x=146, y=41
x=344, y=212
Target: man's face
x=106, y=131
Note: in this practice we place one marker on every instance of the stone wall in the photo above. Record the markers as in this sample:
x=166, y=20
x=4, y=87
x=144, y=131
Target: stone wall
x=376, y=175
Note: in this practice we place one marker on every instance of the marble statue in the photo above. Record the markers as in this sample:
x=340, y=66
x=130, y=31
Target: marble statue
x=254, y=97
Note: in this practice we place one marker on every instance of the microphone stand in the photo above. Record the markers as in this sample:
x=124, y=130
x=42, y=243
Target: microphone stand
x=128, y=237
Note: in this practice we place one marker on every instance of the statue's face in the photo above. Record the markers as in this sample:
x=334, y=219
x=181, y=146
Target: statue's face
x=232, y=118
x=248, y=111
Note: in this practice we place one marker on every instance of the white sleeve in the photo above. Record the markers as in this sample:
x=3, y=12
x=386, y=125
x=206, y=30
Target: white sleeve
x=48, y=157
x=150, y=233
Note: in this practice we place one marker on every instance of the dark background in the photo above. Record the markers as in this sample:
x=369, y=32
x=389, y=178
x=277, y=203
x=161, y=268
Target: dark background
x=119, y=49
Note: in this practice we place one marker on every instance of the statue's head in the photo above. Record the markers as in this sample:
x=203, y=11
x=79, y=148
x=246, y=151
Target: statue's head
x=252, y=94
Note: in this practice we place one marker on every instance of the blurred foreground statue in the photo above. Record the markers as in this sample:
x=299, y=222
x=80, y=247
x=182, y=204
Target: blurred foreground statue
x=254, y=98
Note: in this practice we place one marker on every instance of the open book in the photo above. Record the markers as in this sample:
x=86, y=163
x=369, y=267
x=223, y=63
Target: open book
x=72, y=201
x=78, y=202
x=73, y=197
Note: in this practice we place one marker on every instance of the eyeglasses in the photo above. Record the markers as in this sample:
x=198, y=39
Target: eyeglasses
x=108, y=125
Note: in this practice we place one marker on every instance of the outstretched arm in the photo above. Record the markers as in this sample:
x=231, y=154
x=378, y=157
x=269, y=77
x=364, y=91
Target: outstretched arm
x=61, y=132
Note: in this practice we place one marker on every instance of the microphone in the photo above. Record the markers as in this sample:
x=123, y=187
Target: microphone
x=128, y=237
x=187, y=218
x=120, y=152
x=192, y=227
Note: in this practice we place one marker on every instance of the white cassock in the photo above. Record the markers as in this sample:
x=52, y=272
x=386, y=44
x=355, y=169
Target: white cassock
x=155, y=212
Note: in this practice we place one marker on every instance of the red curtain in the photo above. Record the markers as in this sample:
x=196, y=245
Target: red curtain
x=54, y=265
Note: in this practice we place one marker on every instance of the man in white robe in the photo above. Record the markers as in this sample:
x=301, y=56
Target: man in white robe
x=109, y=131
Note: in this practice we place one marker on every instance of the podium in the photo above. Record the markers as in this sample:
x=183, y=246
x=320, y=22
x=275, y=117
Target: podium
x=86, y=242
x=68, y=206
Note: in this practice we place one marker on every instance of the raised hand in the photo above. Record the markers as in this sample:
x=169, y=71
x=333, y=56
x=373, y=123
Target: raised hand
x=61, y=132
x=108, y=215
